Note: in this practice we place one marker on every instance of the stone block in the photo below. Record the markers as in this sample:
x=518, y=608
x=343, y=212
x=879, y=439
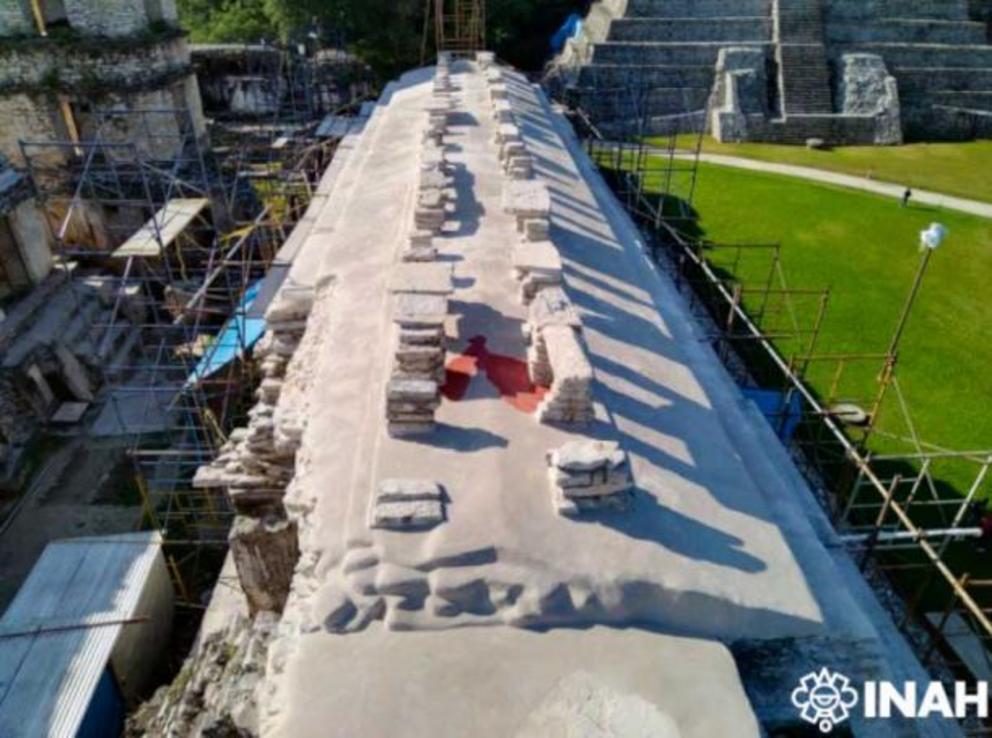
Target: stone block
x=430, y=279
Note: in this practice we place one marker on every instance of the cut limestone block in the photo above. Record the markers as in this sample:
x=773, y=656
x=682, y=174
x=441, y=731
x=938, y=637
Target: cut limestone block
x=431, y=279
x=538, y=266
x=589, y=475
x=527, y=200
x=552, y=307
x=570, y=398
x=410, y=405
x=503, y=111
x=407, y=504
x=417, y=310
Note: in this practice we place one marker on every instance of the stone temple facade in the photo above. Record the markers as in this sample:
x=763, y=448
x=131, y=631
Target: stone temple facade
x=69, y=59
x=845, y=71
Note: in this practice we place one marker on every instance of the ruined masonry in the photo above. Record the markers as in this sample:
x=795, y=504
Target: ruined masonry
x=843, y=71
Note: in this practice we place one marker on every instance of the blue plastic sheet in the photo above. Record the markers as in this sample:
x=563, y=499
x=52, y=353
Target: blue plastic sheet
x=238, y=334
x=571, y=28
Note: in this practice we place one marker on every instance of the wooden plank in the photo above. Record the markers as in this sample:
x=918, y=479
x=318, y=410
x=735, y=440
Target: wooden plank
x=172, y=220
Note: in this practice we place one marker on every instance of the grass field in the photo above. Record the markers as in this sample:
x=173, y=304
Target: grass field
x=961, y=169
x=865, y=248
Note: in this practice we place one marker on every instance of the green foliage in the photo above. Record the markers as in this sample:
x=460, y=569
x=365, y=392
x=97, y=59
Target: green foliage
x=227, y=21
x=386, y=34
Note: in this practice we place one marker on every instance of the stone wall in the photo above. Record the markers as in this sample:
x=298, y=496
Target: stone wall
x=15, y=18
x=145, y=75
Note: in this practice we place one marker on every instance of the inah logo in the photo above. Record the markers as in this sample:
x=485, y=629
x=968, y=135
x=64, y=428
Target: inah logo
x=824, y=698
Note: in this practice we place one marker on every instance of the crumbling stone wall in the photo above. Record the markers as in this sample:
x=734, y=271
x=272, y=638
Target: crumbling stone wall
x=215, y=694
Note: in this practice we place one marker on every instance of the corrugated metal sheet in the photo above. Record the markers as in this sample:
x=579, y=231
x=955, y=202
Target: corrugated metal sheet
x=58, y=633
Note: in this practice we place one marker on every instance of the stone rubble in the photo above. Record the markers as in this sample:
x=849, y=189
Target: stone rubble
x=589, y=476
x=216, y=694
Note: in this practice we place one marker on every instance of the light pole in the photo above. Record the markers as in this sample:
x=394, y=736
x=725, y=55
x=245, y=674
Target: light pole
x=930, y=240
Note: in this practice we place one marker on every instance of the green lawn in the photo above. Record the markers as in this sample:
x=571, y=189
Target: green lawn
x=864, y=248
x=961, y=169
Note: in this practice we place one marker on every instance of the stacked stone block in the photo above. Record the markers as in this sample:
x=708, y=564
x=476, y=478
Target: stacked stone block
x=556, y=358
x=413, y=392
x=589, y=476
x=406, y=505
x=529, y=201
x=536, y=266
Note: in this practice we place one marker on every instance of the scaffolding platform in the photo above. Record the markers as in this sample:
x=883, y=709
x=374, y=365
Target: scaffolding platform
x=163, y=228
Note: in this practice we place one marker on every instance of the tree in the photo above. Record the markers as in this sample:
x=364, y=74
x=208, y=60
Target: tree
x=386, y=34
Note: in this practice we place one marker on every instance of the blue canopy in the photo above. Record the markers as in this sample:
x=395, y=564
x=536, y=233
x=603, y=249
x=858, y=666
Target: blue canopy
x=238, y=334
x=571, y=28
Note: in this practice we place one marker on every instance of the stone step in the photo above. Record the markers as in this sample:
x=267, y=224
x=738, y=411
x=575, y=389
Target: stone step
x=81, y=323
x=121, y=360
x=656, y=101
x=696, y=8
x=660, y=53
x=805, y=80
x=927, y=55
x=729, y=30
x=921, y=79
x=948, y=10
x=902, y=30
x=967, y=99
x=612, y=75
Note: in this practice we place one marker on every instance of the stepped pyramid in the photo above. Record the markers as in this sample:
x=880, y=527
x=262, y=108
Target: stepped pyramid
x=847, y=71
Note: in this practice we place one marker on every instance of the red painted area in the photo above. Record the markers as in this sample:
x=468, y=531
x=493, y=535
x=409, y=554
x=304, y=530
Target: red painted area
x=507, y=374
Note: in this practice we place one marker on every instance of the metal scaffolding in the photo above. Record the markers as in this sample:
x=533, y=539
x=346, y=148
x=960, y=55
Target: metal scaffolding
x=911, y=513
x=179, y=235
x=460, y=26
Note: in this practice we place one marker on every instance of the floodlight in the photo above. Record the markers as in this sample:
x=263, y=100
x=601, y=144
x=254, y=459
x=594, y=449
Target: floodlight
x=933, y=236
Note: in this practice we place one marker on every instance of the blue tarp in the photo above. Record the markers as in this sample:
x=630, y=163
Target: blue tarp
x=239, y=333
x=571, y=28
x=782, y=415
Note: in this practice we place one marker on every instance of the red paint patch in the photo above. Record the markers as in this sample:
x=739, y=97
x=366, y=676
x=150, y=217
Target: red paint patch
x=507, y=374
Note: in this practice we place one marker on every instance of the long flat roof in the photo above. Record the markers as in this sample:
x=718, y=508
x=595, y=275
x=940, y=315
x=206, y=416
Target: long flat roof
x=58, y=633
x=720, y=545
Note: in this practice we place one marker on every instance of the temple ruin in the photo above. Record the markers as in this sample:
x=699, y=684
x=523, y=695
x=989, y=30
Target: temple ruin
x=786, y=71
x=483, y=404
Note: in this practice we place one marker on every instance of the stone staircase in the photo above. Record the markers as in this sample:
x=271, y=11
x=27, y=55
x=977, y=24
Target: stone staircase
x=659, y=56
x=938, y=52
x=804, y=73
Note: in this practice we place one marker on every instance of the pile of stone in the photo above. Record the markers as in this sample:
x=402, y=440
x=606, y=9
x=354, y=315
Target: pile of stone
x=438, y=113
x=420, y=246
x=589, y=476
x=556, y=358
x=442, y=72
x=410, y=406
x=503, y=111
x=251, y=465
x=433, y=195
x=406, y=504
x=530, y=202
x=218, y=689
x=537, y=266
x=420, y=311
